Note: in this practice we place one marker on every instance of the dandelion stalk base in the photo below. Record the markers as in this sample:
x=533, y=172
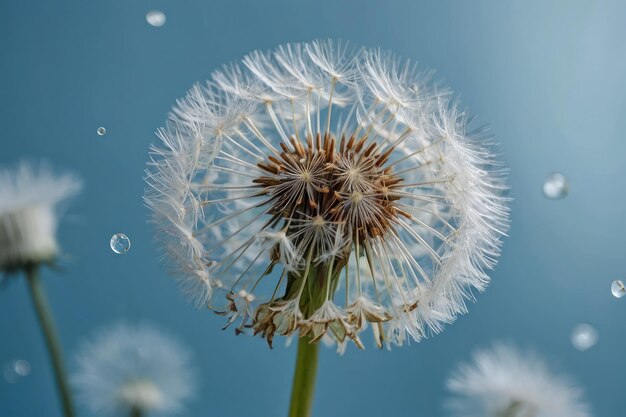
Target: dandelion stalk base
x=304, y=376
x=136, y=412
x=48, y=329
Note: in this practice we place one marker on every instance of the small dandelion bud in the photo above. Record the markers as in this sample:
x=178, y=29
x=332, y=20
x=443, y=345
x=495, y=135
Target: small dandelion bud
x=343, y=189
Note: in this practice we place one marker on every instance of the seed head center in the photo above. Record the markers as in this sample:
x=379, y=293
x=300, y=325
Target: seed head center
x=322, y=184
x=318, y=221
x=356, y=197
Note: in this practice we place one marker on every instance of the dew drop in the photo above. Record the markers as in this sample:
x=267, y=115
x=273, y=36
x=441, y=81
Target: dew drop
x=16, y=369
x=156, y=18
x=101, y=131
x=584, y=336
x=120, y=243
x=555, y=186
x=617, y=289
x=21, y=367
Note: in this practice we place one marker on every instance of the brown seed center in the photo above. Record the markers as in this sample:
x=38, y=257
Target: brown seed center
x=347, y=185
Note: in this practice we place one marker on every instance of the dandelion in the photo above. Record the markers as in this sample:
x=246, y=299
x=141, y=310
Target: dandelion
x=342, y=188
x=133, y=371
x=503, y=382
x=30, y=198
x=29, y=213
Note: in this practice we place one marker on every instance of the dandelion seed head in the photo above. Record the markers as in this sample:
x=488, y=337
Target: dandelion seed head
x=502, y=381
x=140, y=394
x=133, y=367
x=31, y=198
x=342, y=187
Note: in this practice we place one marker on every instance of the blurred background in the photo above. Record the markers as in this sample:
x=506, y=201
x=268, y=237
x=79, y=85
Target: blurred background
x=547, y=76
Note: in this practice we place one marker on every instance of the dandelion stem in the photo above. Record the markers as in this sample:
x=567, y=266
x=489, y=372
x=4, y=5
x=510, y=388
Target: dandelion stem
x=46, y=321
x=516, y=409
x=135, y=412
x=304, y=379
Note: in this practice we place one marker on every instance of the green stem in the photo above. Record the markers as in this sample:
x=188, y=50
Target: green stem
x=517, y=409
x=52, y=341
x=136, y=412
x=304, y=379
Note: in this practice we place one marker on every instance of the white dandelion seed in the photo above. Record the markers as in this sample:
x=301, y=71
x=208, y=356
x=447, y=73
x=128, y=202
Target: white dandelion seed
x=502, y=382
x=383, y=206
x=130, y=370
x=30, y=199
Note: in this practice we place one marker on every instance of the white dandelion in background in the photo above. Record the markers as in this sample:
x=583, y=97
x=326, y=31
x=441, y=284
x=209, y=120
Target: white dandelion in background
x=503, y=382
x=31, y=200
x=30, y=207
x=319, y=190
x=133, y=370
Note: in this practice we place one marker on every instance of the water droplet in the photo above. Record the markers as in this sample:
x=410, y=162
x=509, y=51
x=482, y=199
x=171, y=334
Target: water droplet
x=21, y=367
x=101, y=131
x=584, y=336
x=555, y=186
x=120, y=243
x=16, y=369
x=156, y=18
x=617, y=289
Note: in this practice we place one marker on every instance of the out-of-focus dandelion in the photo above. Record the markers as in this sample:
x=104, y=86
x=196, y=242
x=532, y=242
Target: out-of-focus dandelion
x=502, y=382
x=133, y=371
x=29, y=213
x=317, y=190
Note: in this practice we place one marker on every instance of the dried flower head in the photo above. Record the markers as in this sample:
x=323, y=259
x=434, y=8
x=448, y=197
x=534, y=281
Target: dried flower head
x=29, y=201
x=133, y=369
x=502, y=382
x=317, y=190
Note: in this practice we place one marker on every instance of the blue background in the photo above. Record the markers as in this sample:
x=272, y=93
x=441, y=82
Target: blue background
x=548, y=76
